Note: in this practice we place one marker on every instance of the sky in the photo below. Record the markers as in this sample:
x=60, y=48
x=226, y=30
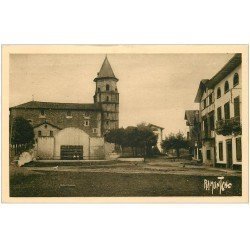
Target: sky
x=154, y=88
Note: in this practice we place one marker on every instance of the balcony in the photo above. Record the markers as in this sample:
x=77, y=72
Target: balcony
x=208, y=109
x=229, y=126
x=207, y=135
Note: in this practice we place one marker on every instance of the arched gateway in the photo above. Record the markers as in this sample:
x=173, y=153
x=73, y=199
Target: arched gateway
x=72, y=144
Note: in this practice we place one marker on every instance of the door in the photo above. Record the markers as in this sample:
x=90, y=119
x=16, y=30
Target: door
x=71, y=152
x=229, y=153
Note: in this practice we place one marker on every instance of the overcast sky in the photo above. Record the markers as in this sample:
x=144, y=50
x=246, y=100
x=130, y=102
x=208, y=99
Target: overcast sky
x=155, y=88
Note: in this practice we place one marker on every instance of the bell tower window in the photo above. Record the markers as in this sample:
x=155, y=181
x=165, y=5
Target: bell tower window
x=107, y=98
x=107, y=87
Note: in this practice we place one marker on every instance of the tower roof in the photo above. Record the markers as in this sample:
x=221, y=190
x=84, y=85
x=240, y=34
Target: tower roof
x=105, y=71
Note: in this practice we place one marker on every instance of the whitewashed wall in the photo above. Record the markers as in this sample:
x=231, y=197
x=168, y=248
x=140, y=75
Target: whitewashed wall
x=45, y=130
x=45, y=147
x=71, y=136
x=225, y=97
x=97, y=148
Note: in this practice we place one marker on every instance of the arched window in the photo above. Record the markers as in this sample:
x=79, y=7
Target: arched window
x=107, y=98
x=218, y=93
x=107, y=87
x=226, y=87
x=236, y=79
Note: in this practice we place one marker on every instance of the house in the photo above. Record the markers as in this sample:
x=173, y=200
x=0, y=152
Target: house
x=74, y=130
x=192, y=118
x=205, y=98
x=227, y=86
x=159, y=132
x=220, y=109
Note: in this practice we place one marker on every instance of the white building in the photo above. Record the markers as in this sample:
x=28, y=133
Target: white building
x=158, y=131
x=192, y=118
x=220, y=108
x=228, y=112
x=205, y=98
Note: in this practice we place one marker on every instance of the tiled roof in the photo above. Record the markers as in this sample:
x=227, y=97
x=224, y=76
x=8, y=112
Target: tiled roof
x=44, y=123
x=105, y=71
x=201, y=89
x=234, y=62
x=191, y=116
x=58, y=105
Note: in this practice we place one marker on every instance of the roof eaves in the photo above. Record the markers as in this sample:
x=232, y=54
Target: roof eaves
x=45, y=122
x=233, y=63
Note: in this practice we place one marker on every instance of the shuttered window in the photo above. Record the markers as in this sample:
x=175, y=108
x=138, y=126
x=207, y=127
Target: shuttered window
x=219, y=114
x=211, y=120
x=237, y=106
x=210, y=99
x=238, y=149
x=227, y=110
x=236, y=79
x=221, y=151
x=218, y=93
x=226, y=87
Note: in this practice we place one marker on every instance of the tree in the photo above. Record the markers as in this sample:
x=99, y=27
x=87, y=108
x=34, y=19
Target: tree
x=137, y=138
x=118, y=136
x=146, y=138
x=22, y=132
x=175, y=141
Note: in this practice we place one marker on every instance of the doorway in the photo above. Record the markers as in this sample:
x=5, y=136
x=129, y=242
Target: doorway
x=71, y=152
x=229, y=153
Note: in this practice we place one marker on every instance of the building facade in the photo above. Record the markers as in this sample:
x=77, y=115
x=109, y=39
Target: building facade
x=58, y=126
x=192, y=118
x=159, y=132
x=205, y=98
x=220, y=101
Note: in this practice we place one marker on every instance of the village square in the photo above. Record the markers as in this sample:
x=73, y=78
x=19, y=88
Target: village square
x=78, y=149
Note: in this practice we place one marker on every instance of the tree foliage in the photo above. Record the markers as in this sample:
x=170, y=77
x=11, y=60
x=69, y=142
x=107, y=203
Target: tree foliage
x=22, y=131
x=139, y=137
x=175, y=141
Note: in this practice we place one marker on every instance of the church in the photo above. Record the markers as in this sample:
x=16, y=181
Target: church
x=70, y=131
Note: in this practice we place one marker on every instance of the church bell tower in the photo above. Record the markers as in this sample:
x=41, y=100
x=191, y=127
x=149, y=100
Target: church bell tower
x=106, y=94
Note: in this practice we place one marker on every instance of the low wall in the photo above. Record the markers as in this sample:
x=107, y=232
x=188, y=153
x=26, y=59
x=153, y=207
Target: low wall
x=96, y=148
x=131, y=159
x=110, y=153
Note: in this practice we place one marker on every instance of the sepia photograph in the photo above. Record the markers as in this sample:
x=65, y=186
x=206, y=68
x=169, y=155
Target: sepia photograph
x=126, y=122
x=125, y=125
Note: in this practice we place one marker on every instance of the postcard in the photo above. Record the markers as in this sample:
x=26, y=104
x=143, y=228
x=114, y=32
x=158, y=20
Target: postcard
x=125, y=123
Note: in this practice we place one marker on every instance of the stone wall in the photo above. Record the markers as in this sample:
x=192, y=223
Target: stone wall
x=59, y=118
